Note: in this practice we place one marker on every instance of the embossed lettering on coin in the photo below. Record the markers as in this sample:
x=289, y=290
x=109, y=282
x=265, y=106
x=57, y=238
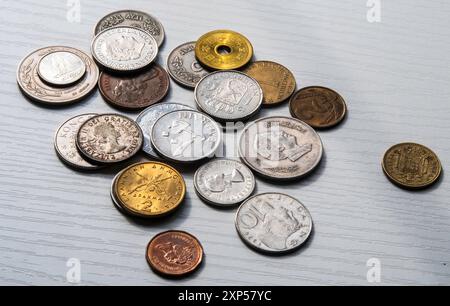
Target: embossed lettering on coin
x=61, y=68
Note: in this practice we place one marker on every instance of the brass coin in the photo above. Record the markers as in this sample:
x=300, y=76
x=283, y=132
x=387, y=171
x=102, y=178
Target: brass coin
x=411, y=165
x=318, y=106
x=223, y=49
x=276, y=81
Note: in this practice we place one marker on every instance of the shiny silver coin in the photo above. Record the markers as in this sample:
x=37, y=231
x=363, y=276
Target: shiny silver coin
x=124, y=49
x=224, y=182
x=186, y=136
x=61, y=68
x=228, y=95
x=148, y=117
x=279, y=147
x=273, y=223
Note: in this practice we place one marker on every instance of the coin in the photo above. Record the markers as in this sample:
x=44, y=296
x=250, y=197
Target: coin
x=411, y=165
x=150, y=189
x=183, y=67
x=113, y=195
x=61, y=68
x=124, y=49
x=276, y=81
x=36, y=89
x=109, y=138
x=223, y=49
x=136, y=91
x=186, y=136
x=224, y=182
x=135, y=19
x=318, y=106
x=174, y=253
x=148, y=117
x=228, y=95
x=279, y=147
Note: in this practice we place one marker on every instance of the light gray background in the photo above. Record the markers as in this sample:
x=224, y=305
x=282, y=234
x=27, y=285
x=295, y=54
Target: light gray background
x=394, y=76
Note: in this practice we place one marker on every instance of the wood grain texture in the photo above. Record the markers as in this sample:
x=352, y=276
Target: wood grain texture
x=394, y=76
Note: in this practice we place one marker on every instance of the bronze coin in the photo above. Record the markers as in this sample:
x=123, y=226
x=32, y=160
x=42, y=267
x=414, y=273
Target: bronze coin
x=136, y=91
x=318, y=106
x=174, y=253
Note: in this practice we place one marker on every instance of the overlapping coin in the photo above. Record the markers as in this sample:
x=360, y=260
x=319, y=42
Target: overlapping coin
x=61, y=68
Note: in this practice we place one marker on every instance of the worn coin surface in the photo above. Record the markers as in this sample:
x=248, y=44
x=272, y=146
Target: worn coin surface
x=273, y=223
x=109, y=138
x=276, y=81
x=174, y=253
x=228, y=95
x=224, y=182
x=223, y=49
x=36, y=89
x=280, y=147
x=411, y=165
x=318, y=106
x=61, y=68
x=183, y=67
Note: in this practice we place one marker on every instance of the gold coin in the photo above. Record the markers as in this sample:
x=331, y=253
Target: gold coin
x=276, y=81
x=223, y=49
x=149, y=189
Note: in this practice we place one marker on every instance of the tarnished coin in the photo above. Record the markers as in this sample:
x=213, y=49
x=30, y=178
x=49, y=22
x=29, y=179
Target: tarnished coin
x=135, y=19
x=411, y=165
x=150, y=189
x=277, y=82
x=318, y=106
x=279, y=147
x=148, y=117
x=174, y=253
x=228, y=95
x=136, y=91
x=183, y=67
x=223, y=49
x=124, y=49
x=61, y=68
x=35, y=88
x=186, y=136
x=109, y=138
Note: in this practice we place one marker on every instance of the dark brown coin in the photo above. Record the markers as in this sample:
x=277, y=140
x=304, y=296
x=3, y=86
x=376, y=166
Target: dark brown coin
x=318, y=106
x=136, y=91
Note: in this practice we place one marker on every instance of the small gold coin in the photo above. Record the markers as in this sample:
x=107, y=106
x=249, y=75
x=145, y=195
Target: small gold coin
x=149, y=189
x=223, y=49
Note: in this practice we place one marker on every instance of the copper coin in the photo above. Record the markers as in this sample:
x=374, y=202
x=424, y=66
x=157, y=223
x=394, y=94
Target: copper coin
x=174, y=253
x=318, y=106
x=136, y=91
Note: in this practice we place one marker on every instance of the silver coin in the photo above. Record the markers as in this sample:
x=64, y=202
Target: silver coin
x=273, y=223
x=183, y=67
x=132, y=18
x=148, y=117
x=186, y=136
x=279, y=147
x=224, y=182
x=113, y=194
x=228, y=95
x=124, y=49
x=61, y=68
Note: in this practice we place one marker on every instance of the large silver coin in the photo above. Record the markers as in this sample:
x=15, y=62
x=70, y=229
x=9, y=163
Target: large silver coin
x=186, y=136
x=279, y=147
x=183, y=67
x=124, y=49
x=148, y=117
x=273, y=223
x=228, y=95
x=61, y=68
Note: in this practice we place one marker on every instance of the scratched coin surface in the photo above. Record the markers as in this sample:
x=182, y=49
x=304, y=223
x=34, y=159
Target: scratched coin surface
x=228, y=95
x=280, y=147
x=174, y=253
x=318, y=106
x=61, y=68
x=411, y=165
x=224, y=182
x=150, y=189
x=273, y=223
x=109, y=138
x=183, y=67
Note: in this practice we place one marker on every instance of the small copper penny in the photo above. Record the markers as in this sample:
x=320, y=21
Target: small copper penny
x=318, y=106
x=174, y=253
x=136, y=91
